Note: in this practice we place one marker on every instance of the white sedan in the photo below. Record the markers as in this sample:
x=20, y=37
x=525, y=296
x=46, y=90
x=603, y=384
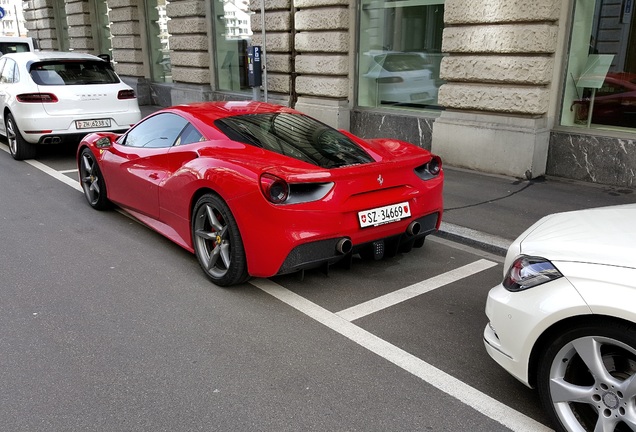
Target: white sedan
x=564, y=318
x=53, y=97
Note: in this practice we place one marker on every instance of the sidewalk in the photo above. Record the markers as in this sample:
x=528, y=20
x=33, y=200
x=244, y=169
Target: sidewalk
x=490, y=211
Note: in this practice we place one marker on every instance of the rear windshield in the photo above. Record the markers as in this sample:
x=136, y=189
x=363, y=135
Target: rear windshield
x=14, y=47
x=296, y=136
x=60, y=72
x=402, y=62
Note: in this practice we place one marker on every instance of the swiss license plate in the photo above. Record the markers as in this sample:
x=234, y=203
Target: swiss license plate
x=90, y=124
x=384, y=215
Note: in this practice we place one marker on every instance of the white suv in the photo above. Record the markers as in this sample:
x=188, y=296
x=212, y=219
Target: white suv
x=53, y=97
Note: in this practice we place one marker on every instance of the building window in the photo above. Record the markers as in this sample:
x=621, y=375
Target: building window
x=600, y=86
x=232, y=35
x=400, y=53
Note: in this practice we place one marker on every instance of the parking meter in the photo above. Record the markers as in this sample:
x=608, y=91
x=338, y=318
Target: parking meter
x=254, y=70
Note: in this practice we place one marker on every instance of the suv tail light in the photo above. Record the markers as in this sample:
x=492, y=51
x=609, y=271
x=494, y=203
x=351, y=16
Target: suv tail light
x=126, y=94
x=36, y=98
x=275, y=189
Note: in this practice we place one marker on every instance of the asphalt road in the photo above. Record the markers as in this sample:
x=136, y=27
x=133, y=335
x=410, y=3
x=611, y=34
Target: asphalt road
x=105, y=325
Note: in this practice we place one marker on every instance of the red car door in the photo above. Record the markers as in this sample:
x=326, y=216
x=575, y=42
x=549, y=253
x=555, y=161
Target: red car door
x=137, y=164
x=133, y=176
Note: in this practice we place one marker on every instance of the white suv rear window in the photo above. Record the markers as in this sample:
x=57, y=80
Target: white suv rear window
x=72, y=73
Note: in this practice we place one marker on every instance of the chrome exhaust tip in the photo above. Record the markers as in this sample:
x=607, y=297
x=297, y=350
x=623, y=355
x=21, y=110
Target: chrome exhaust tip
x=344, y=246
x=413, y=228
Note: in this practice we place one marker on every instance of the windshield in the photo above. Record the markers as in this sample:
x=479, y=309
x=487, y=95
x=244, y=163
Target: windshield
x=73, y=72
x=297, y=136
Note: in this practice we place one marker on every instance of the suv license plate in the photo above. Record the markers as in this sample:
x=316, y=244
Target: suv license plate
x=384, y=215
x=89, y=124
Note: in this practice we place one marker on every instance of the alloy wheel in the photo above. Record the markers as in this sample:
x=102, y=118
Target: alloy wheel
x=592, y=385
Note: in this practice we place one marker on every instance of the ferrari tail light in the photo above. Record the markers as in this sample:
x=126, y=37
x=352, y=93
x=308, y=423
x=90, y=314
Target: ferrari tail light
x=36, y=98
x=431, y=169
x=275, y=189
x=126, y=94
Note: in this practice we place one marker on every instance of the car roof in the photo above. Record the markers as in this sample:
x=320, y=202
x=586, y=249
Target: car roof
x=210, y=111
x=32, y=56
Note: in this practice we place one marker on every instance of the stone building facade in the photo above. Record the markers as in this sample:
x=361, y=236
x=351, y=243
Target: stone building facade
x=500, y=81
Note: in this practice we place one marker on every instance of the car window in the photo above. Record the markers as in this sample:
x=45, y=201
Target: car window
x=3, y=60
x=402, y=62
x=157, y=131
x=72, y=72
x=14, y=47
x=7, y=75
x=189, y=135
x=295, y=135
x=610, y=88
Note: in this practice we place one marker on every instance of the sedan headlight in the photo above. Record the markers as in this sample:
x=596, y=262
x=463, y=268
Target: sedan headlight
x=528, y=271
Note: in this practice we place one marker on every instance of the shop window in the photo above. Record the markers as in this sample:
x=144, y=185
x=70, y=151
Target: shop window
x=232, y=35
x=400, y=53
x=600, y=87
x=158, y=40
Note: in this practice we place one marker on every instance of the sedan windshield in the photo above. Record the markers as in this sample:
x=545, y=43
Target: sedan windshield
x=296, y=136
x=72, y=72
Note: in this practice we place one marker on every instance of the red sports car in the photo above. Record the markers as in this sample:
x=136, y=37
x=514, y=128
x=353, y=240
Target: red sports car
x=255, y=189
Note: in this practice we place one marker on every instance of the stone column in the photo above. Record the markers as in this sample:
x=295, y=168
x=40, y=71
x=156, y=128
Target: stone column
x=79, y=26
x=128, y=47
x=322, y=61
x=307, y=55
x=278, y=47
x=498, y=73
x=40, y=23
x=189, y=51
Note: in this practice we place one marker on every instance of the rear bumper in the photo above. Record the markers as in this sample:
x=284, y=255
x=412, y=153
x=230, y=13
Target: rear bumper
x=40, y=128
x=64, y=138
x=325, y=252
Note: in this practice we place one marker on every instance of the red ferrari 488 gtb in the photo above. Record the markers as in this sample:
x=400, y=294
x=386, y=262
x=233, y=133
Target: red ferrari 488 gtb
x=255, y=189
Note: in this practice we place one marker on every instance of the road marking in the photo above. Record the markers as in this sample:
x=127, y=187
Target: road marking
x=68, y=171
x=399, y=296
x=56, y=174
x=450, y=385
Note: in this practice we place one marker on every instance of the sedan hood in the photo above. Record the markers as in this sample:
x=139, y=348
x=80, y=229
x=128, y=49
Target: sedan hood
x=605, y=235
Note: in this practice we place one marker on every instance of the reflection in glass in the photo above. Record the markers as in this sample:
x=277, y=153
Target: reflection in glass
x=400, y=53
x=601, y=28
x=232, y=35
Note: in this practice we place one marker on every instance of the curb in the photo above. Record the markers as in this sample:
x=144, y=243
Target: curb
x=487, y=242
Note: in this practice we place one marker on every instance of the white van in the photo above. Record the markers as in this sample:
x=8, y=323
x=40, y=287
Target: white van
x=10, y=45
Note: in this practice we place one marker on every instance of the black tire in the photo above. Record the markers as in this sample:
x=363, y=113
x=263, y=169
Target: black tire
x=18, y=147
x=92, y=181
x=583, y=377
x=217, y=242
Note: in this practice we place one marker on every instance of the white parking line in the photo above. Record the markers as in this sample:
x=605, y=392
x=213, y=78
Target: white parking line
x=68, y=171
x=450, y=385
x=56, y=174
x=395, y=297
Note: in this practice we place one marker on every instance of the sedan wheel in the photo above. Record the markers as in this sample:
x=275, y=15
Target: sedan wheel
x=18, y=147
x=587, y=378
x=217, y=242
x=92, y=181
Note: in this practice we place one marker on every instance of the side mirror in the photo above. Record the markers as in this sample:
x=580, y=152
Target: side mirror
x=103, y=142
